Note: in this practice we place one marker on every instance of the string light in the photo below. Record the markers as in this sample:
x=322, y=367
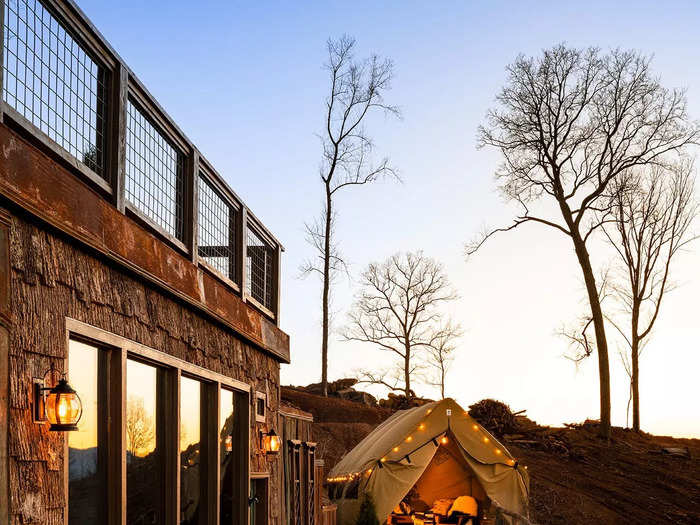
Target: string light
x=444, y=440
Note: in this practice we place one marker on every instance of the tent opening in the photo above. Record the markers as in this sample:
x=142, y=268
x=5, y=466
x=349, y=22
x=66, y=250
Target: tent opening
x=447, y=490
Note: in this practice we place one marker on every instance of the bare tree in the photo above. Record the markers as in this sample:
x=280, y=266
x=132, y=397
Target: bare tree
x=356, y=91
x=397, y=309
x=140, y=428
x=652, y=217
x=569, y=123
x=441, y=354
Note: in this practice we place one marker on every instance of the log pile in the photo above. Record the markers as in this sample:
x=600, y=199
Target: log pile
x=395, y=402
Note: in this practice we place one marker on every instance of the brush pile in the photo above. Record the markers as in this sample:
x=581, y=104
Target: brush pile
x=495, y=416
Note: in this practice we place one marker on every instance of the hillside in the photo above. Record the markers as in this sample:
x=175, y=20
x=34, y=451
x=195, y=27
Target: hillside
x=576, y=478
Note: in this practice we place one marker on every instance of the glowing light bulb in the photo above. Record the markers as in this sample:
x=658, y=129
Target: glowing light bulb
x=421, y=426
x=62, y=408
x=498, y=451
x=475, y=427
x=409, y=439
x=486, y=440
x=383, y=460
x=396, y=449
x=444, y=440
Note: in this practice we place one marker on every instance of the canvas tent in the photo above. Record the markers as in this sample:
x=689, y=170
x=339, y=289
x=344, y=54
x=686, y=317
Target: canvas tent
x=406, y=453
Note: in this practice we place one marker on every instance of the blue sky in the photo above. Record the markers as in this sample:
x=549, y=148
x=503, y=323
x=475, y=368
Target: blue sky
x=244, y=81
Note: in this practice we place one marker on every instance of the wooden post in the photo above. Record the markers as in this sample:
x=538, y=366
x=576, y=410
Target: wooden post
x=169, y=420
x=117, y=133
x=116, y=440
x=209, y=495
x=241, y=455
x=318, y=489
x=5, y=325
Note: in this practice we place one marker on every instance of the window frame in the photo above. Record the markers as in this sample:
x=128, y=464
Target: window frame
x=142, y=104
x=79, y=32
x=120, y=349
x=260, y=396
x=260, y=232
x=204, y=175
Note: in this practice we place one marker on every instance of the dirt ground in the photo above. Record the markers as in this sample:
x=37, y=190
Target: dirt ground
x=576, y=478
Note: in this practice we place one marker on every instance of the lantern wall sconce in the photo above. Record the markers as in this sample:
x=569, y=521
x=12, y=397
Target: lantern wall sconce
x=60, y=405
x=270, y=442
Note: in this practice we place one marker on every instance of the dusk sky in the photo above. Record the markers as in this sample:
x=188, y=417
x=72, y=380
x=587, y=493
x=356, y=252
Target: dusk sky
x=245, y=82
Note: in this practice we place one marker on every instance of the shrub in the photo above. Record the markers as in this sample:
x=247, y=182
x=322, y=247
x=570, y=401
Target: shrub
x=368, y=513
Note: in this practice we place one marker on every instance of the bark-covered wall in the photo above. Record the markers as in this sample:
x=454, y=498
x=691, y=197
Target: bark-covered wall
x=52, y=279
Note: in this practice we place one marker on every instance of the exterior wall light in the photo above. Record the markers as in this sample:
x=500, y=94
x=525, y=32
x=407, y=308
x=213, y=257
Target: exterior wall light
x=60, y=405
x=270, y=442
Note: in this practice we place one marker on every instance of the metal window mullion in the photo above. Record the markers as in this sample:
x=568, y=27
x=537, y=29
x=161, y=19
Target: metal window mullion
x=243, y=251
x=118, y=124
x=2, y=58
x=191, y=213
x=232, y=243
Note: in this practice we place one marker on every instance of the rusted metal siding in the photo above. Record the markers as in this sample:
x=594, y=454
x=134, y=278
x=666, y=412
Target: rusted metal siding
x=50, y=192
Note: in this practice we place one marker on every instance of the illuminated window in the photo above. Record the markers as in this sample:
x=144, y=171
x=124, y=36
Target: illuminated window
x=85, y=470
x=144, y=459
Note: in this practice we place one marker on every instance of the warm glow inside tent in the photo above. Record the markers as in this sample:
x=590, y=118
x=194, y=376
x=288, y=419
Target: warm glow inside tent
x=425, y=454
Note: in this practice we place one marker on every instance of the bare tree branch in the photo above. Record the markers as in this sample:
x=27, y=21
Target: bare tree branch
x=397, y=310
x=568, y=125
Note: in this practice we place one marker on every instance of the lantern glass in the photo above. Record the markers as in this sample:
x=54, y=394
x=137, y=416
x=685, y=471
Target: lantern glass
x=271, y=442
x=63, y=407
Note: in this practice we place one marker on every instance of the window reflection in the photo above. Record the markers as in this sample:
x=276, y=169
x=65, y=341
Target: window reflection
x=190, y=423
x=143, y=462
x=84, y=487
x=226, y=455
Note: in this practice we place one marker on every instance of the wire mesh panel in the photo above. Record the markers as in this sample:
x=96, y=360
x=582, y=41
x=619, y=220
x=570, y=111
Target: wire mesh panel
x=52, y=81
x=259, y=269
x=217, y=229
x=154, y=178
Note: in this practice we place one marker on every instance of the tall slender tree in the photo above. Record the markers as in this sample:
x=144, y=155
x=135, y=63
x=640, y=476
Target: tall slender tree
x=357, y=91
x=441, y=353
x=568, y=124
x=652, y=215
